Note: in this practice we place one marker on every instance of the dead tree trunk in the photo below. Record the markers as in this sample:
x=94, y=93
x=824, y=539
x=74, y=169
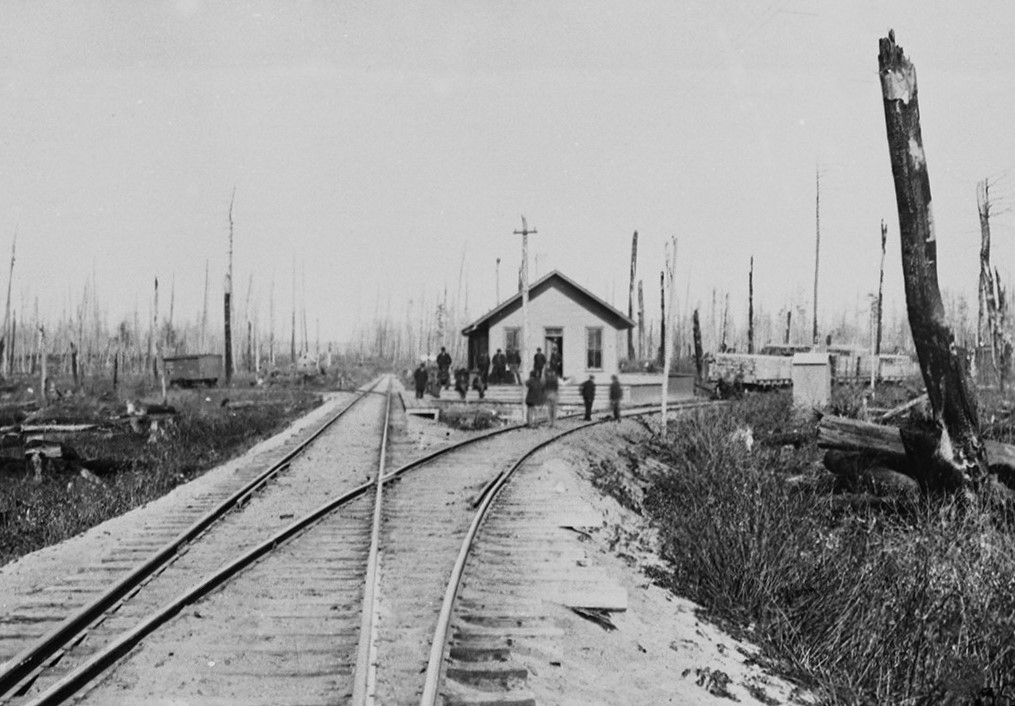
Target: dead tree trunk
x=641, y=321
x=630, y=295
x=699, y=354
x=750, y=308
x=958, y=452
x=881, y=286
x=662, y=324
x=227, y=301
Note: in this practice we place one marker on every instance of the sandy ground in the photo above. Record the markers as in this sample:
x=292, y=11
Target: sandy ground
x=661, y=651
x=47, y=566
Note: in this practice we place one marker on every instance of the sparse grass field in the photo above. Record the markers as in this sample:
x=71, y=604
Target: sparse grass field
x=910, y=606
x=137, y=470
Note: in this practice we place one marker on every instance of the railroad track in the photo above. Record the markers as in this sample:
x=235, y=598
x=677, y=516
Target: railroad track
x=335, y=586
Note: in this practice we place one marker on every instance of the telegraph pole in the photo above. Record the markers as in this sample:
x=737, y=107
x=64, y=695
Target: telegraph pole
x=817, y=248
x=525, y=232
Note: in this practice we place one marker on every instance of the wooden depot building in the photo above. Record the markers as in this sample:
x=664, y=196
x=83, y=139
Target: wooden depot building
x=588, y=332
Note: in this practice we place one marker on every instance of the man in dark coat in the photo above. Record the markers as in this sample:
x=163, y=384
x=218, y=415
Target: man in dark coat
x=499, y=367
x=555, y=361
x=588, y=390
x=551, y=390
x=539, y=361
x=462, y=382
x=483, y=365
x=419, y=377
x=514, y=361
x=533, y=398
x=616, y=393
x=444, y=368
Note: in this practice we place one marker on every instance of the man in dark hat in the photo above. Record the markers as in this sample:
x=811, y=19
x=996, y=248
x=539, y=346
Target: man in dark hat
x=588, y=390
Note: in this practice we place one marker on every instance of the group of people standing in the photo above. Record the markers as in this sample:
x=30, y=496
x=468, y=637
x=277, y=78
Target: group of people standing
x=542, y=386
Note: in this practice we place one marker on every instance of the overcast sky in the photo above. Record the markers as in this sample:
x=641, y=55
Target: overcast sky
x=381, y=145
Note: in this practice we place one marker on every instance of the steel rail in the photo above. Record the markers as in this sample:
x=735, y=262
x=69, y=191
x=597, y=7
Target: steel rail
x=484, y=501
x=103, y=659
x=23, y=665
x=363, y=686
x=76, y=680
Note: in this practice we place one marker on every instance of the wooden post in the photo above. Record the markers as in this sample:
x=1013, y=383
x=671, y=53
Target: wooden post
x=630, y=296
x=526, y=349
x=789, y=323
x=959, y=454
x=750, y=308
x=227, y=300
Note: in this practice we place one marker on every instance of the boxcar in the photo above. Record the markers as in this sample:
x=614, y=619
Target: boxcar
x=189, y=370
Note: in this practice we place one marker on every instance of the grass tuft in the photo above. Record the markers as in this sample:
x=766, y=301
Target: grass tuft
x=865, y=606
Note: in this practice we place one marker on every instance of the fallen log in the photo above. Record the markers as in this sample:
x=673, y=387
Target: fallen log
x=886, y=442
x=902, y=408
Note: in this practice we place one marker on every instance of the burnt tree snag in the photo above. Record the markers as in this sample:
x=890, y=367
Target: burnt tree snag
x=630, y=296
x=750, y=308
x=699, y=354
x=881, y=289
x=958, y=446
x=227, y=304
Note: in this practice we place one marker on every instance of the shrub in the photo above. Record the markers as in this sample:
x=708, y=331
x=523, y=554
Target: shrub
x=866, y=606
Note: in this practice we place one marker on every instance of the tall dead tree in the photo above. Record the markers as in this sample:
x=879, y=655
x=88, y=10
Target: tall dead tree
x=662, y=314
x=957, y=458
x=641, y=321
x=699, y=355
x=7, y=335
x=630, y=295
x=750, y=308
x=881, y=287
x=725, y=317
x=204, y=311
x=228, y=304
x=817, y=250
x=990, y=329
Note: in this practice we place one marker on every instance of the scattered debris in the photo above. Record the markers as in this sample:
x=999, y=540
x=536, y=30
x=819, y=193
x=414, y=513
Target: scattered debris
x=715, y=682
x=599, y=616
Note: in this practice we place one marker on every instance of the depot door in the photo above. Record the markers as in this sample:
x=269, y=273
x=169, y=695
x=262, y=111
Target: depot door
x=554, y=341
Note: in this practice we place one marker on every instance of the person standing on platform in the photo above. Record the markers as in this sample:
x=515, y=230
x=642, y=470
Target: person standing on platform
x=555, y=361
x=551, y=391
x=444, y=368
x=514, y=361
x=499, y=367
x=462, y=382
x=483, y=365
x=539, y=362
x=419, y=377
x=533, y=398
x=588, y=390
x=616, y=393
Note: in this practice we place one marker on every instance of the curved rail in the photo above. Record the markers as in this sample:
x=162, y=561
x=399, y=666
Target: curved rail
x=485, y=499
x=102, y=660
x=22, y=666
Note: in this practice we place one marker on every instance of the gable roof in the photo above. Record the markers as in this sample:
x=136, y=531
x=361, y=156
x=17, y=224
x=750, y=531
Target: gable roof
x=553, y=280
